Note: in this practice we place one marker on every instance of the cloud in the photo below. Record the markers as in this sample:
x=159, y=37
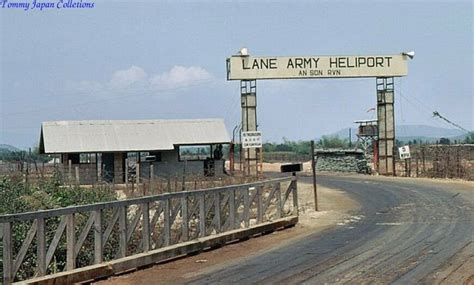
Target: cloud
x=180, y=76
x=128, y=77
x=135, y=79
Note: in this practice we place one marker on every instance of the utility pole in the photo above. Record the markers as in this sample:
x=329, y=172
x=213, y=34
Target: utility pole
x=313, y=167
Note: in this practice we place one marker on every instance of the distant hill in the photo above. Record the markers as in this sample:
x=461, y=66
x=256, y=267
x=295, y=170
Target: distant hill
x=426, y=131
x=7, y=147
x=459, y=138
x=412, y=132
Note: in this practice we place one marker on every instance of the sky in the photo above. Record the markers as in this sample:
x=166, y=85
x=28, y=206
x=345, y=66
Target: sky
x=166, y=60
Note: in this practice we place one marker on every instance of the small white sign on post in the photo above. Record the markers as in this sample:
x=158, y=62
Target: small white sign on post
x=251, y=139
x=404, y=152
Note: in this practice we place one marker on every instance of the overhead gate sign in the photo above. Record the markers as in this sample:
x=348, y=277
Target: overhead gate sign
x=249, y=67
x=251, y=139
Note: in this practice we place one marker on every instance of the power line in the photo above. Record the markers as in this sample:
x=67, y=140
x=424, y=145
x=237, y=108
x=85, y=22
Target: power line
x=418, y=106
x=437, y=114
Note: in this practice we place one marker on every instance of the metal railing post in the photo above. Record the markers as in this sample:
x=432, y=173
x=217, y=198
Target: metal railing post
x=146, y=226
x=7, y=254
x=70, y=242
x=41, y=247
x=202, y=215
x=259, y=204
x=185, y=220
x=295, y=197
x=123, y=231
x=98, y=245
x=247, y=207
x=232, y=209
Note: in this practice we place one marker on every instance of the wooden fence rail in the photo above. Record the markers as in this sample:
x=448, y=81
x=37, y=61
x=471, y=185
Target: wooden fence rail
x=40, y=243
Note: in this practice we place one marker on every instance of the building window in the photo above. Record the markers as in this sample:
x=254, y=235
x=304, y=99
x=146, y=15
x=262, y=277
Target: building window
x=154, y=156
x=195, y=152
x=73, y=157
x=87, y=158
x=132, y=157
x=143, y=155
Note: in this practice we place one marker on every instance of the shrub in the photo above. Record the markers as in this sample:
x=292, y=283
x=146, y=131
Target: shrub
x=17, y=196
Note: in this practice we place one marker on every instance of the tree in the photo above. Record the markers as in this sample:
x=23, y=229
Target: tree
x=333, y=142
x=469, y=139
x=444, y=141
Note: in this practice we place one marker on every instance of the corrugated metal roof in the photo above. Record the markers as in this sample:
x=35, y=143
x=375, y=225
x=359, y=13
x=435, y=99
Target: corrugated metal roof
x=126, y=135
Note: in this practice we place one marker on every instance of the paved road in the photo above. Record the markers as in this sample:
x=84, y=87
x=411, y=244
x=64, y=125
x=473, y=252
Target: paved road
x=408, y=231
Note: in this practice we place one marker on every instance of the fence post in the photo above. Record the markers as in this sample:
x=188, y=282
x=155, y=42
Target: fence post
x=409, y=167
x=137, y=176
x=406, y=167
x=69, y=171
x=126, y=173
x=446, y=163
x=146, y=226
x=176, y=183
x=76, y=169
x=98, y=245
x=202, y=215
x=458, y=163
x=416, y=161
x=41, y=247
x=70, y=242
x=7, y=254
x=183, y=186
x=152, y=177
x=423, y=160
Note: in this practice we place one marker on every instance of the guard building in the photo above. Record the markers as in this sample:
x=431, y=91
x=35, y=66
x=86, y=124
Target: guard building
x=101, y=149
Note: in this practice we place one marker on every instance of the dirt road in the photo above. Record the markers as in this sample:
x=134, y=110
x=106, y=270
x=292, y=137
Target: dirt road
x=405, y=231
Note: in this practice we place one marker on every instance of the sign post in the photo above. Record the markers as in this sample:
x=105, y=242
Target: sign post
x=313, y=168
x=404, y=152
